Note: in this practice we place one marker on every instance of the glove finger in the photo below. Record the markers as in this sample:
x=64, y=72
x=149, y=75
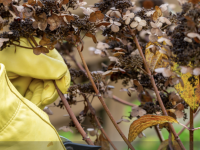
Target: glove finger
x=26, y=63
x=21, y=84
x=34, y=92
x=49, y=94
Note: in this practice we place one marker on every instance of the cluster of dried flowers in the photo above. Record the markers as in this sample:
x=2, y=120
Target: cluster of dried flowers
x=170, y=44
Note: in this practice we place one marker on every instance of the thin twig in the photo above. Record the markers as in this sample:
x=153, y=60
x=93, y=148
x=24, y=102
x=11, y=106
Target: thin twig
x=123, y=101
x=73, y=117
x=98, y=123
x=102, y=101
x=156, y=89
x=181, y=131
x=160, y=136
x=191, y=131
x=21, y=46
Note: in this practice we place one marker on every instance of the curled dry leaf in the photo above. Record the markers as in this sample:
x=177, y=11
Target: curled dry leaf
x=103, y=142
x=97, y=15
x=54, y=21
x=147, y=121
x=40, y=49
x=155, y=60
x=66, y=129
x=92, y=36
x=137, y=111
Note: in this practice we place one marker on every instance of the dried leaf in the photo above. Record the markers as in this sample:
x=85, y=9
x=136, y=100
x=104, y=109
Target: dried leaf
x=66, y=129
x=54, y=22
x=47, y=42
x=103, y=142
x=97, y=15
x=147, y=121
x=194, y=1
x=190, y=92
x=40, y=49
x=115, y=28
x=92, y=36
x=137, y=111
x=155, y=60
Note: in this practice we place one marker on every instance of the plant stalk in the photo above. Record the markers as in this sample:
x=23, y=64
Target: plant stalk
x=92, y=110
x=181, y=131
x=156, y=89
x=102, y=101
x=117, y=99
x=191, y=131
x=160, y=136
x=73, y=117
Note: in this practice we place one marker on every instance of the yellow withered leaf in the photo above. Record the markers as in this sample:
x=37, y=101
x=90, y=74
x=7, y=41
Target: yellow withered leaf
x=155, y=60
x=147, y=121
x=191, y=90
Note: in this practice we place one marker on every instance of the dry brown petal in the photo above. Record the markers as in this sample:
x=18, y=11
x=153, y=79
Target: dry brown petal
x=54, y=22
x=164, y=7
x=97, y=15
x=103, y=142
x=139, y=27
x=196, y=71
x=153, y=38
x=134, y=24
x=115, y=28
x=66, y=129
x=40, y=49
x=127, y=21
x=143, y=23
x=186, y=69
x=122, y=120
x=180, y=107
x=179, y=114
x=188, y=39
x=165, y=72
x=92, y=36
x=193, y=35
x=165, y=20
x=47, y=42
x=137, y=111
x=175, y=97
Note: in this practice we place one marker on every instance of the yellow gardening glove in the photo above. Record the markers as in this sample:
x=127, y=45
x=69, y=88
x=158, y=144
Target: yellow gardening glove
x=23, y=125
x=33, y=75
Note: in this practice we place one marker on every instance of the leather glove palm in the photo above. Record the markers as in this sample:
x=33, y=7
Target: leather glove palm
x=33, y=75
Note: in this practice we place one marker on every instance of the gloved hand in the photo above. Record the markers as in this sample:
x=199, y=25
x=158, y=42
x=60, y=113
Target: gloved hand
x=33, y=75
x=23, y=125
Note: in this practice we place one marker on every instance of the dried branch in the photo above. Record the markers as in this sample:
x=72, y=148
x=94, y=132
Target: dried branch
x=117, y=99
x=181, y=131
x=156, y=89
x=159, y=134
x=73, y=117
x=102, y=101
x=191, y=131
x=98, y=123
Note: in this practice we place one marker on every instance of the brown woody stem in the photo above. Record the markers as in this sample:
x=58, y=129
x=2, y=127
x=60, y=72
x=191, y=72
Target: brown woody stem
x=156, y=89
x=159, y=134
x=123, y=101
x=181, y=131
x=102, y=101
x=73, y=117
x=98, y=123
x=191, y=131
